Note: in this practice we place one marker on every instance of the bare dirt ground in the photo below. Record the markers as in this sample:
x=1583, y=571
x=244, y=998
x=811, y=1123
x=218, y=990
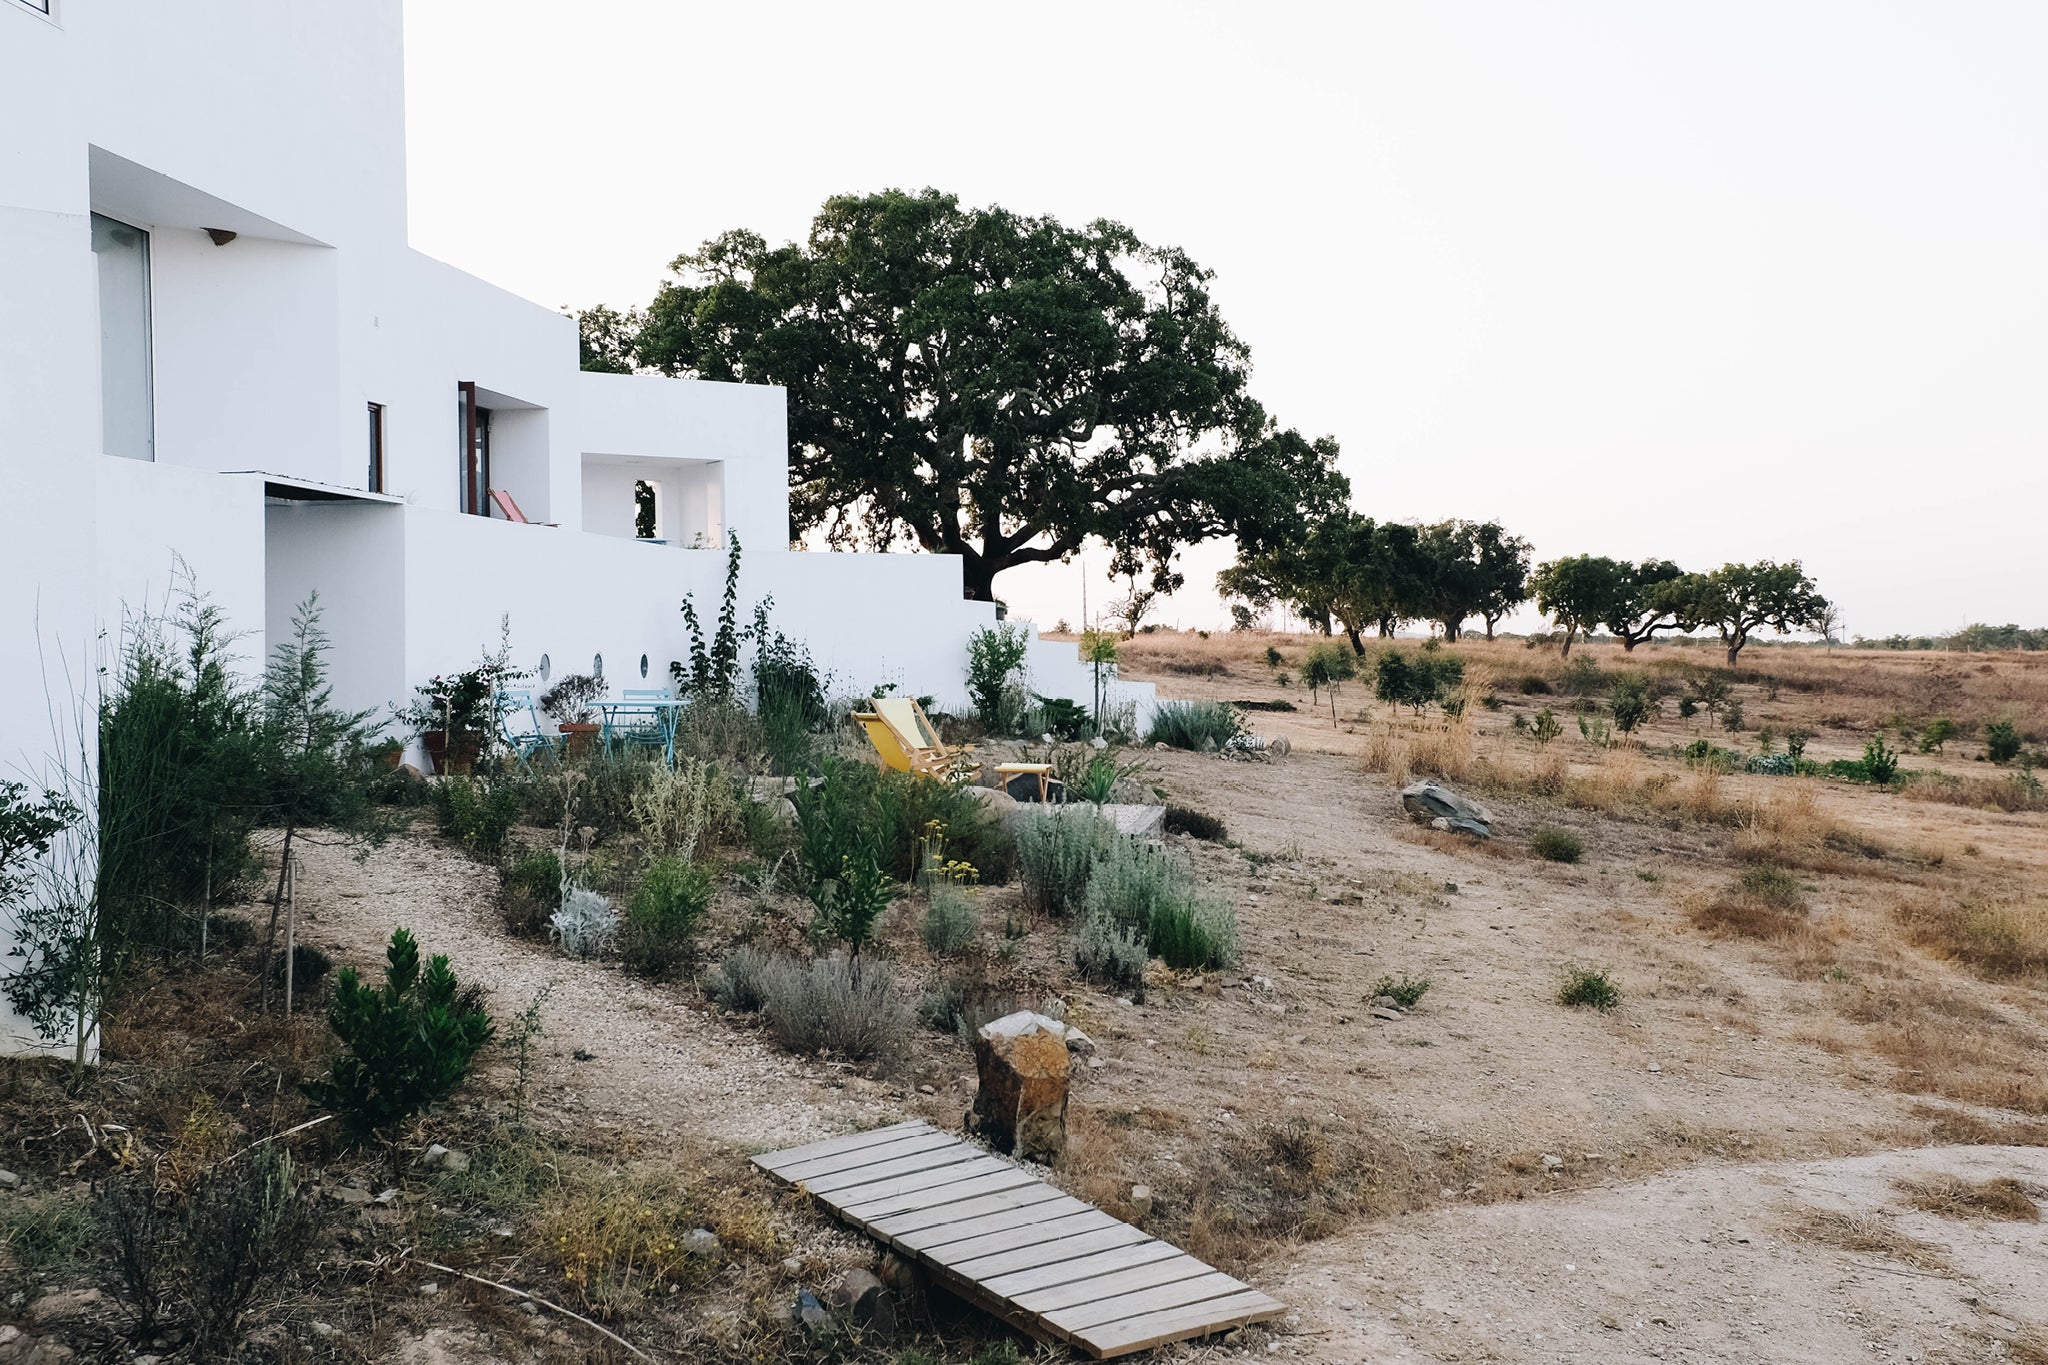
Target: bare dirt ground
x=1491, y=1176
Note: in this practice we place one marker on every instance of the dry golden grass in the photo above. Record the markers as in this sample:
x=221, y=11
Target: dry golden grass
x=1951, y=1196
x=1762, y=902
x=2005, y=937
x=1442, y=751
x=2011, y=793
x=1867, y=1233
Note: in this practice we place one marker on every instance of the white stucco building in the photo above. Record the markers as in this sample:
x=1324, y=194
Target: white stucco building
x=217, y=348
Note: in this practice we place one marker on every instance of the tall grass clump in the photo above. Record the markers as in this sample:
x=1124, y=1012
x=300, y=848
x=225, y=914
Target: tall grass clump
x=1554, y=845
x=2006, y=937
x=1056, y=855
x=1203, y=726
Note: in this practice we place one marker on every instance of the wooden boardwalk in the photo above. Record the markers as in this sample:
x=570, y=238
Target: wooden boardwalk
x=1001, y=1238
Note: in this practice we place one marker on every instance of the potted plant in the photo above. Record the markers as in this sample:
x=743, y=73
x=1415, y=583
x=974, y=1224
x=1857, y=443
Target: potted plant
x=567, y=703
x=455, y=715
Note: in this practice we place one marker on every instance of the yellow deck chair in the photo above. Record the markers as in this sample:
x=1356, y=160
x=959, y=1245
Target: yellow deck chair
x=908, y=741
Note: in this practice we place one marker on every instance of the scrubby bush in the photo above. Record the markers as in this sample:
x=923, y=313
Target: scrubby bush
x=1405, y=991
x=309, y=966
x=586, y=925
x=961, y=1008
x=1416, y=680
x=1152, y=894
x=950, y=923
x=1632, y=700
x=1533, y=685
x=1202, y=726
x=1934, y=739
x=1195, y=824
x=676, y=808
x=530, y=891
x=1732, y=718
x=833, y=1004
x=1545, y=727
x=1326, y=664
x=1554, y=845
x=1582, y=676
x=1588, y=988
x=1111, y=954
x=662, y=917
x=1194, y=934
x=861, y=812
x=1057, y=853
x=477, y=812
x=1764, y=902
x=245, y=1225
x=404, y=1047
x=2001, y=741
x=740, y=983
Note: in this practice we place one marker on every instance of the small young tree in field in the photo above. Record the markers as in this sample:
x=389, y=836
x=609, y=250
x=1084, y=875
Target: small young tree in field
x=310, y=765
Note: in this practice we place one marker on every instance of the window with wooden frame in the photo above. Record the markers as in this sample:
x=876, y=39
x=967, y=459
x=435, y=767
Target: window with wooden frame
x=374, y=480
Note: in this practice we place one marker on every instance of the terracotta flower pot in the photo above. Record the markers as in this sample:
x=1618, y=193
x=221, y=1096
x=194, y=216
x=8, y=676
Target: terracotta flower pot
x=458, y=757
x=582, y=734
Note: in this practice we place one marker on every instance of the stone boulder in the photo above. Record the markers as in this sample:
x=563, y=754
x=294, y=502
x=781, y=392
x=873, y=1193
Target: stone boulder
x=1429, y=802
x=1021, y=1105
x=863, y=1302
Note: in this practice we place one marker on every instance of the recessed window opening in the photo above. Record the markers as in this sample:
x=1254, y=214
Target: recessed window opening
x=127, y=400
x=545, y=668
x=597, y=666
x=643, y=665
x=374, y=481
x=475, y=426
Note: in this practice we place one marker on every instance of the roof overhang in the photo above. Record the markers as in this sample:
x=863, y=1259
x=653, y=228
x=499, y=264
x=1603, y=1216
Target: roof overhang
x=280, y=488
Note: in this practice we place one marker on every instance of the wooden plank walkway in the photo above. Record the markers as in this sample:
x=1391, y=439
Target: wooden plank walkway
x=1004, y=1240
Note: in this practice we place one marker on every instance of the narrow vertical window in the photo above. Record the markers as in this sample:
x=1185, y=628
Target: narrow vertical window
x=476, y=452
x=374, y=482
x=127, y=405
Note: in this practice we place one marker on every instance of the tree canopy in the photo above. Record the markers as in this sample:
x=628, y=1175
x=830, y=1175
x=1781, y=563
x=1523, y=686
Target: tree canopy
x=1583, y=591
x=987, y=384
x=1348, y=570
x=1740, y=599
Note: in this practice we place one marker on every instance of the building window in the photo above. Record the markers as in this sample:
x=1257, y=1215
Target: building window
x=39, y=6
x=127, y=404
x=375, y=481
x=476, y=452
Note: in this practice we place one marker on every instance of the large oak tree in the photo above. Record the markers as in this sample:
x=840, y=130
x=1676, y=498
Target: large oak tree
x=987, y=384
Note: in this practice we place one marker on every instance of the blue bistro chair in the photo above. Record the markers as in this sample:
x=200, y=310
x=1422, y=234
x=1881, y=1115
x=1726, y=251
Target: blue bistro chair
x=519, y=725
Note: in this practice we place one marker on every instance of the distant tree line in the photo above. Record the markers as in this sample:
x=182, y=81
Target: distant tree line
x=1974, y=638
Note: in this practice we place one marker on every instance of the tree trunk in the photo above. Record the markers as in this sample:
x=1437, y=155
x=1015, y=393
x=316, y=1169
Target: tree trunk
x=1566, y=652
x=276, y=905
x=977, y=583
x=1357, y=644
x=1629, y=643
x=1733, y=651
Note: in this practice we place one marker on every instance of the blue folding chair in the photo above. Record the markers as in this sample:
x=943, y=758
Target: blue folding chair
x=519, y=725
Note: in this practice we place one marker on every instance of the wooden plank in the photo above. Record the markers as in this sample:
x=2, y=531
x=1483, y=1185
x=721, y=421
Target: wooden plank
x=915, y=1162
x=773, y=1162
x=864, y=1156
x=1045, y=1211
x=911, y=1182
x=1065, y=1272
x=1045, y=1253
x=1176, y=1324
x=1009, y=1178
x=1183, y=1267
x=1179, y=1294
x=937, y=1215
x=1028, y=1234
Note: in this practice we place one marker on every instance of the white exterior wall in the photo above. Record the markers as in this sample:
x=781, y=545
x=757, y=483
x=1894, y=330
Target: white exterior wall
x=282, y=123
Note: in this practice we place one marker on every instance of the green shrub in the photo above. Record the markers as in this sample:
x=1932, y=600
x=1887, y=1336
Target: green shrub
x=1405, y=991
x=994, y=653
x=1533, y=685
x=1554, y=845
x=1773, y=886
x=662, y=917
x=1061, y=718
x=1936, y=736
x=1195, y=824
x=1195, y=934
x=1588, y=988
x=832, y=1004
x=1326, y=664
x=1880, y=764
x=51, y=1230
x=1056, y=855
x=1632, y=700
x=404, y=1047
x=1202, y=726
x=477, y=812
x=1582, y=676
x=1732, y=719
x=2001, y=741
x=1111, y=954
x=950, y=923
x=1545, y=727
x=1417, y=680
x=530, y=891
x=961, y=1008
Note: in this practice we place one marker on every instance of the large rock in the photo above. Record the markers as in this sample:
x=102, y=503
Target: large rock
x=1021, y=1106
x=1429, y=802
x=863, y=1302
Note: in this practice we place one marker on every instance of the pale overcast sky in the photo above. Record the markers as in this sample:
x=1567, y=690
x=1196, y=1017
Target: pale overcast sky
x=1703, y=282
